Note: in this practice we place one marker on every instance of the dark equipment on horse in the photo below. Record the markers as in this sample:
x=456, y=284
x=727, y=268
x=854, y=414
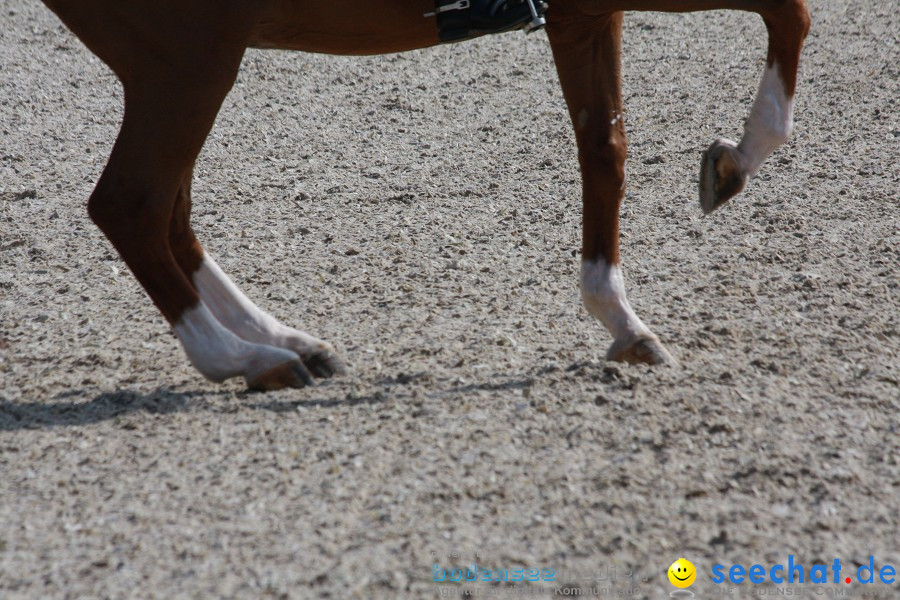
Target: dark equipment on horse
x=459, y=20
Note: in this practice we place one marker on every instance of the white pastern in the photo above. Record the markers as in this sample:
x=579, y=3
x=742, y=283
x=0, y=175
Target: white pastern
x=218, y=353
x=770, y=123
x=603, y=293
x=239, y=314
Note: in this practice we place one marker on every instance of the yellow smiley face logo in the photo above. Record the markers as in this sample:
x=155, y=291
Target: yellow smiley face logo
x=682, y=573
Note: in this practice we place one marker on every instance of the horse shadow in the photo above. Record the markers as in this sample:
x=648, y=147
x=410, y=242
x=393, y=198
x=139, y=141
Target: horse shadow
x=109, y=405
x=60, y=411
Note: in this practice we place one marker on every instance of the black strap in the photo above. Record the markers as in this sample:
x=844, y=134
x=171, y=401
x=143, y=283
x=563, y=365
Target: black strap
x=453, y=19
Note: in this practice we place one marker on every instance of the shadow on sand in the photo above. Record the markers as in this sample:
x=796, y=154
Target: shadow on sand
x=60, y=412
x=63, y=412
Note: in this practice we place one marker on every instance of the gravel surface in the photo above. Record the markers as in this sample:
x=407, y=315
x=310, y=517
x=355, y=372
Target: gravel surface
x=422, y=213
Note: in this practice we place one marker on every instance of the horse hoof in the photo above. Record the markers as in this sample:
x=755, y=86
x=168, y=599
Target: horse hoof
x=324, y=364
x=645, y=350
x=721, y=175
x=291, y=374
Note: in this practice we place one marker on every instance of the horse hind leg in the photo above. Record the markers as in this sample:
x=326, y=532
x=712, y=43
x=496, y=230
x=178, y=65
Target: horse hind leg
x=726, y=166
x=232, y=308
x=167, y=117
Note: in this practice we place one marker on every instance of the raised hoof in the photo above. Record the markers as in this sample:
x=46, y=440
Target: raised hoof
x=286, y=375
x=324, y=364
x=642, y=350
x=721, y=175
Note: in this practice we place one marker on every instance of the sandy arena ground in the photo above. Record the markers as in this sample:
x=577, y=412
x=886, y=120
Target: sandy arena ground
x=422, y=212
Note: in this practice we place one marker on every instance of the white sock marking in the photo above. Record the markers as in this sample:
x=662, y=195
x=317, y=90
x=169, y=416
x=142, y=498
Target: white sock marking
x=770, y=123
x=239, y=314
x=603, y=293
x=218, y=353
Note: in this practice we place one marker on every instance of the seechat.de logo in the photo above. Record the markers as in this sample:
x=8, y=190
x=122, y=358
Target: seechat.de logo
x=796, y=572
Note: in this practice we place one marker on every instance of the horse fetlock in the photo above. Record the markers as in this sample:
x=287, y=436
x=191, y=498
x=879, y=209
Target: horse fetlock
x=246, y=320
x=771, y=119
x=219, y=354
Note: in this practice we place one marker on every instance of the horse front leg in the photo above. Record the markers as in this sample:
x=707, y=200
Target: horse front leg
x=726, y=167
x=587, y=52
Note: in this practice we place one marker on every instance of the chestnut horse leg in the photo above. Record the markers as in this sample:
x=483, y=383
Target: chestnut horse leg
x=169, y=110
x=726, y=166
x=230, y=306
x=587, y=52
x=586, y=42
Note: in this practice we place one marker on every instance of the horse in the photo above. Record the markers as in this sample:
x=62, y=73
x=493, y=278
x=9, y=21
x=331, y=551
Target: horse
x=178, y=59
